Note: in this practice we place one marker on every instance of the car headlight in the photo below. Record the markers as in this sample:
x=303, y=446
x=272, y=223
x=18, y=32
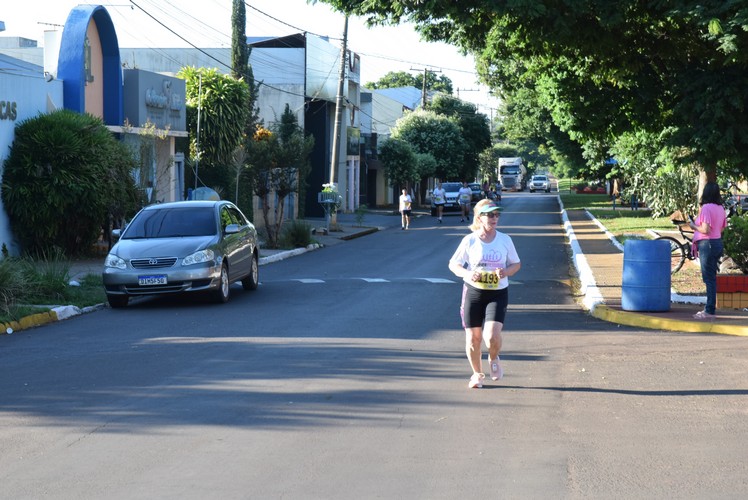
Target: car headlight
x=199, y=257
x=114, y=261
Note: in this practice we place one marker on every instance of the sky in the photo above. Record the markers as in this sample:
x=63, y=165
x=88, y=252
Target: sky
x=207, y=23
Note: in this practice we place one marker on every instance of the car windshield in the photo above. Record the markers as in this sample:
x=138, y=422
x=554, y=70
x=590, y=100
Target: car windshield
x=510, y=169
x=539, y=177
x=451, y=187
x=172, y=222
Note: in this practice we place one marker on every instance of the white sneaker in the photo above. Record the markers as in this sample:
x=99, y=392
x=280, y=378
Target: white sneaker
x=476, y=381
x=495, y=367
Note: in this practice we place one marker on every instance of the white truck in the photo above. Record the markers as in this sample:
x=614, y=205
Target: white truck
x=513, y=174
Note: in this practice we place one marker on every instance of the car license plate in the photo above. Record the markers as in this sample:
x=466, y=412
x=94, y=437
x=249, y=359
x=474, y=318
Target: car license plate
x=158, y=279
x=449, y=204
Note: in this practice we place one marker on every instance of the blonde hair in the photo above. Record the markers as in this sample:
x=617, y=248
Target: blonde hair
x=476, y=213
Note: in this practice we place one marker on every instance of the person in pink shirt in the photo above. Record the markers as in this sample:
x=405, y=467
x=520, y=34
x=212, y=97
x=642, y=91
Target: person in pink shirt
x=707, y=239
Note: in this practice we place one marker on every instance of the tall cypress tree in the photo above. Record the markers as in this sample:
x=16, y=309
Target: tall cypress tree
x=241, y=69
x=239, y=49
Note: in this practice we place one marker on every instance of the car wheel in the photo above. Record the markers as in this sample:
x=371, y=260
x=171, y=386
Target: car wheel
x=532, y=190
x=117, y=301
x=253, y=278
x=221, y=295
x=547, y=190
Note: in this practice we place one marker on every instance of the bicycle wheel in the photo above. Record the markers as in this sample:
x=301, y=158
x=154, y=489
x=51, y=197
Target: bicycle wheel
x=677, y=255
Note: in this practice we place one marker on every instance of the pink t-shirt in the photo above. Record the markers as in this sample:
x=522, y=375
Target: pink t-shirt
x=715, y=216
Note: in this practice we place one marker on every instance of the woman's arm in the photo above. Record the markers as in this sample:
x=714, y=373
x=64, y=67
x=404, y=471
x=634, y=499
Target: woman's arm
x=458, y=270
x=702, y=228
x=511, y=269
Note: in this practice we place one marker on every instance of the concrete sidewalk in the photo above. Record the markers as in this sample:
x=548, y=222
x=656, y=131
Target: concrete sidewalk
x=599, y=262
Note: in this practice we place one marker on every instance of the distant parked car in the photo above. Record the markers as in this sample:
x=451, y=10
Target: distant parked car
x=186, y=246
x=478, y=193
x=541, y=183
x=450, y=192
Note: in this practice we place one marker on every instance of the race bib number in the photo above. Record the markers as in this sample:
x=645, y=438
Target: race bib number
x=489, y=280
x=438, y=199
x=464, y=198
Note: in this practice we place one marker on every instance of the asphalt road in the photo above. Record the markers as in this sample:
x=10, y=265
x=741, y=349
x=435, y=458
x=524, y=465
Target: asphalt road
x=344, y=375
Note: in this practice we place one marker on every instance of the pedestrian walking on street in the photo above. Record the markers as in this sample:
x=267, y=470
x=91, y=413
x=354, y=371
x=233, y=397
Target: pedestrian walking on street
x=405, y=207
x=707, y=241
x=484, y=259
x=439, y=197
x=464, y=196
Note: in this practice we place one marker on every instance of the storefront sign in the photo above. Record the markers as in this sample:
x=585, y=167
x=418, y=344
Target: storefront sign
x=8, y=110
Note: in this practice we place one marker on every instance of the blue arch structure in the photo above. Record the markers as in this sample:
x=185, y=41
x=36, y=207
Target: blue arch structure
x=70, y=64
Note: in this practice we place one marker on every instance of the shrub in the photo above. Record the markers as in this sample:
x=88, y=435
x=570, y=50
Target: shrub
x=735, y=239
x=360, y=214
x=11, y=284
x=65, y=173
x=297, y=234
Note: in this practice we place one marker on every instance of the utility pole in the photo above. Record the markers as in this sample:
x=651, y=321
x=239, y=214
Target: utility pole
x=426, y=71
x=339, y=106
x=466, y=90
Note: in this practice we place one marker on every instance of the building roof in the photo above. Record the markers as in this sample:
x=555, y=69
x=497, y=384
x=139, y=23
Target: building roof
x=10, y=64
x=409, y=97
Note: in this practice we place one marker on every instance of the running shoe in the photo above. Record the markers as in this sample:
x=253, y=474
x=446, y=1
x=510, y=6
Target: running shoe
x=495, y=367
x=704, y=315
x=476, y=381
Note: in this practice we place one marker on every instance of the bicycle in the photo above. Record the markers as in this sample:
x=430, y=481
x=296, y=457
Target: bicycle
x=679, y=250
x=682, y=250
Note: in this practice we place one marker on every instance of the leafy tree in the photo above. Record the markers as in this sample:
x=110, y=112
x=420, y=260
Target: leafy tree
x=474, y=128
x=395, y=79
x=654, y=175
x=65, y=177
x=222, y=102
x=603, y=69
x=279, y=160
x=437, y=135
x=400, y=162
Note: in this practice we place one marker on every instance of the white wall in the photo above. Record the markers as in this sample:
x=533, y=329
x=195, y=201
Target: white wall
x=32, y=95
x=386, y=111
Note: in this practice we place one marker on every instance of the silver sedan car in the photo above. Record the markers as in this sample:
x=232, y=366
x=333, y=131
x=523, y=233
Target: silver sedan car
x=185, y=246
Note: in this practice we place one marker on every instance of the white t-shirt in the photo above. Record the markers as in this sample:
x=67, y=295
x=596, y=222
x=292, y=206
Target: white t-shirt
x=405, y=202
x=486, y=257
x=439, y=195
x=464, y=195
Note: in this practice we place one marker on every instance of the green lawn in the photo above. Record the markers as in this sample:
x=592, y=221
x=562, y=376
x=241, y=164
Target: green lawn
x=620, y=221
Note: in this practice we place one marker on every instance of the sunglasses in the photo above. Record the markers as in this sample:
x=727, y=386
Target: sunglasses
x=492, y=215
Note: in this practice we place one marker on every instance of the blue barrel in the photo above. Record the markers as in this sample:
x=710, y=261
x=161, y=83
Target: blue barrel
x=646, y=276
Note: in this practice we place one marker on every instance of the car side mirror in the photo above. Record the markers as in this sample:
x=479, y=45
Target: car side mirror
x=231, y=229
x=116, y=233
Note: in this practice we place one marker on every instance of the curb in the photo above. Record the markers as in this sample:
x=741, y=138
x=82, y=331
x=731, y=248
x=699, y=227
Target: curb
x=605, y=313
x=595, y=303
x=359, y=234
